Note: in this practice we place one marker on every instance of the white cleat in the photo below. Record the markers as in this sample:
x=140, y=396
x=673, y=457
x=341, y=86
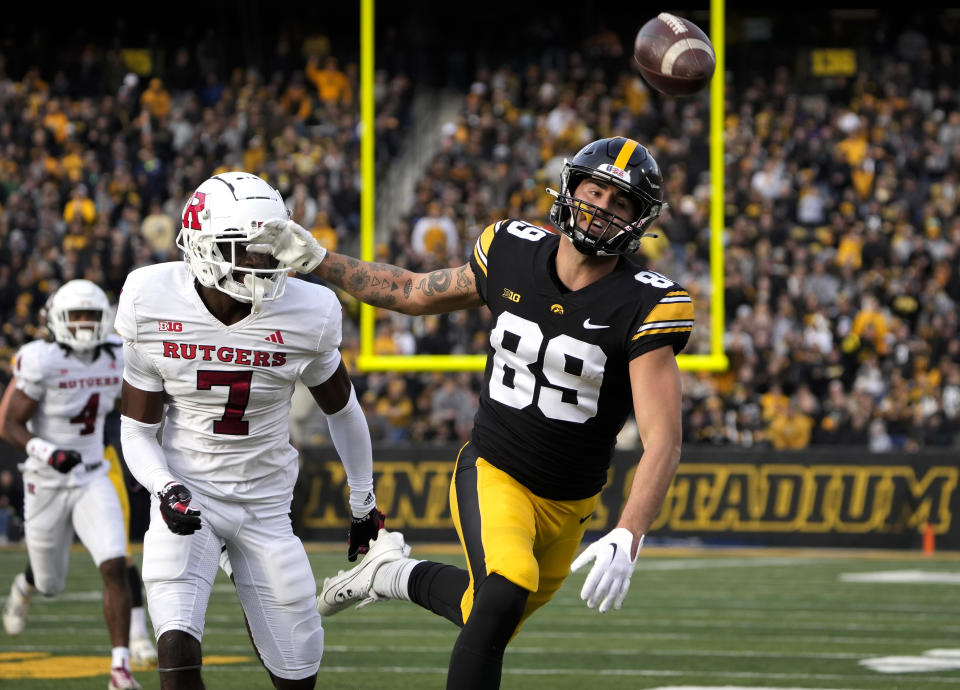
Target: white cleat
x=142, y=653
x=120, y=679
x=15, y=610
x=355, y=585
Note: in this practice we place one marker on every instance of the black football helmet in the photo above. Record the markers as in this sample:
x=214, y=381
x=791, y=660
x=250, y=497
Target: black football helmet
x=625, y=164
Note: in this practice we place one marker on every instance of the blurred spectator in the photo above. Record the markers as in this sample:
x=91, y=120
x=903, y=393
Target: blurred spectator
x=325, y=233
x=160, y=232
x=452, y=408
x=879, y=440
x=434, y=235
x=396, y=407
x=80, y=207
x=790, y=428
x=302, y=206
x=332, y=84
x=156, y=99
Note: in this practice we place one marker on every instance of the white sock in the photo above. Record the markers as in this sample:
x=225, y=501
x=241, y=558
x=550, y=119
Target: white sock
x=392, y=579
x=25, y=588
x=138, y=622
x=121, y=657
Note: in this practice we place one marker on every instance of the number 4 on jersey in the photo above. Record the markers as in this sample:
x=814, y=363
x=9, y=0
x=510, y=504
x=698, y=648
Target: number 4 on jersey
x=88, y=415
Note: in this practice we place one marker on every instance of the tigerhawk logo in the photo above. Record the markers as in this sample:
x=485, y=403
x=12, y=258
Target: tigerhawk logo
x=556, y=308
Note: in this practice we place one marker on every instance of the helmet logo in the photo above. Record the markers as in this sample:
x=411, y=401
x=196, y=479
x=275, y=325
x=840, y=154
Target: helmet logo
x=614, y=171
x=191, y=213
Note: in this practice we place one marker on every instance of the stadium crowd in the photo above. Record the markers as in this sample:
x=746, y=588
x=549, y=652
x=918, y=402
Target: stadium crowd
x=841, y=252
x=842, y=246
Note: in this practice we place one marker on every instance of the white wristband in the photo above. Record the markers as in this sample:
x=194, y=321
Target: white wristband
x=40, y=449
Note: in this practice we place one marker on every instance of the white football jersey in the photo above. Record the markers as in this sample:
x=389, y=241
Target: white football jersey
x=227, y=389
x=74, y=395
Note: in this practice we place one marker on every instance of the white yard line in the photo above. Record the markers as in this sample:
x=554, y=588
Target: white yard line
x=911, y=577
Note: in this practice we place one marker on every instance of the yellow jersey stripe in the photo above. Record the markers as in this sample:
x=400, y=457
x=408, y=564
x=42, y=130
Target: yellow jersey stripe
x=678, y=293
x=482, y=246
x=654, y=331
x=480, y=262
x=486, y=237
x=623, y=157
x=675, y=311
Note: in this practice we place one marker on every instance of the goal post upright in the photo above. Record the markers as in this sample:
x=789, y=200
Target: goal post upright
x=368, y=360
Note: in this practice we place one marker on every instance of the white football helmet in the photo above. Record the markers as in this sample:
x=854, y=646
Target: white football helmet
x=67, y=321
x=222, y=214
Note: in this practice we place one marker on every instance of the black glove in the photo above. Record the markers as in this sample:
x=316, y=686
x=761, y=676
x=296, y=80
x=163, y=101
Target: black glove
x=176, y=511
x=64, y=460
x=362, y=530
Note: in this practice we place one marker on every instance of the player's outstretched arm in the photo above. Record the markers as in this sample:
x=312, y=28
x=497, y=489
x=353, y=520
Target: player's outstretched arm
x=655, y=380
x=392, y=287
x=381, y=285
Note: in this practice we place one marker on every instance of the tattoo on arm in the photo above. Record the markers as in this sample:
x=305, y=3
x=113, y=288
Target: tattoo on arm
x=372, y=283
x=435, y=283
x=392, y=287
x=464, y=282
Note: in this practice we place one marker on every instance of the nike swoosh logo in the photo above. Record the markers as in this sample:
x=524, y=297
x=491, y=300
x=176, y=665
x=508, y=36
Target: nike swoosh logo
x=587, y=324
x=614, y=552
x=585, y=518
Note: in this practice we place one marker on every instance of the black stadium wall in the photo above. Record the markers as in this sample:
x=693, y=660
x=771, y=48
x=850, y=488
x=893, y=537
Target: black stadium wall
x=838, y=497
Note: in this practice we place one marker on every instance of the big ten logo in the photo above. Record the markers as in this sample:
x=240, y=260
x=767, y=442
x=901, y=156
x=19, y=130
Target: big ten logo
x=413, y=494
x=816, y=499
x=511, y=295
x=170, y=326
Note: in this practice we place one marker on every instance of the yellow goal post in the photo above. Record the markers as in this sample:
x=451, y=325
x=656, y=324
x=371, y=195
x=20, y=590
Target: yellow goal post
x=368, y=360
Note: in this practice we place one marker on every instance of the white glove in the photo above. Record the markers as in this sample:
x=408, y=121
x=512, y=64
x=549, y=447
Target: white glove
x=609, y=578
x=289, y=244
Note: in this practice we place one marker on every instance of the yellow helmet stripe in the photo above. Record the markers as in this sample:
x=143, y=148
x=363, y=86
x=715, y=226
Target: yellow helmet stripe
x=623, y=157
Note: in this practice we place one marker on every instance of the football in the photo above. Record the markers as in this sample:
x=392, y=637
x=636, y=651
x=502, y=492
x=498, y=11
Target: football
x=674, y=55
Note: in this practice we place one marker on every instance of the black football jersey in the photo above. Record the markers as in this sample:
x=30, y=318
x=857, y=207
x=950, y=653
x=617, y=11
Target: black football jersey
x=556, y=389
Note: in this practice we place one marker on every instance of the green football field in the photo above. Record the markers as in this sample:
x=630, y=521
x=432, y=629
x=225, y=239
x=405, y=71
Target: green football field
x=716, y=618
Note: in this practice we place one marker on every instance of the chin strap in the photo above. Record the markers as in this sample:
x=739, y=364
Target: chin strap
x=257, y=287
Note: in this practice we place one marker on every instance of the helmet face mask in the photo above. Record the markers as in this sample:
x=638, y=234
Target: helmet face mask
x=629, y=168
x=218, y=220
x=78, y=315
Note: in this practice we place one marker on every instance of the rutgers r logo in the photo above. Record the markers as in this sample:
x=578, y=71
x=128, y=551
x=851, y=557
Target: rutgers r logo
x=191, y=212
x=170, y=326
